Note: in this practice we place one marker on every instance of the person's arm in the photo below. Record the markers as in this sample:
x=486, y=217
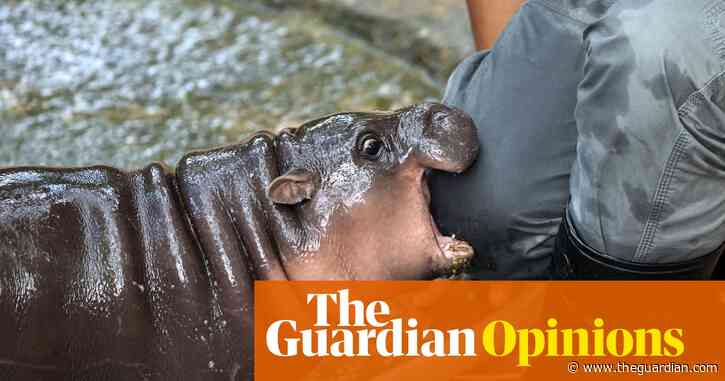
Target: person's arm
x=489, y=17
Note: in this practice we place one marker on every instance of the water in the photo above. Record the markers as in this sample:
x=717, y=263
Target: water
x=129, y=82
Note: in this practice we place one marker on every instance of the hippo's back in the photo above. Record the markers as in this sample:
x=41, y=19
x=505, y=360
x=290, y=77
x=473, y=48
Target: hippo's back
x=101, y=278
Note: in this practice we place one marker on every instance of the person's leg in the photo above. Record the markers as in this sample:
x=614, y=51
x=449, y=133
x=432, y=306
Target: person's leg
x=522, y=96
x=648, y=184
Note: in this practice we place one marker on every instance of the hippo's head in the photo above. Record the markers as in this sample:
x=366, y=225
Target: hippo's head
x=357, y=183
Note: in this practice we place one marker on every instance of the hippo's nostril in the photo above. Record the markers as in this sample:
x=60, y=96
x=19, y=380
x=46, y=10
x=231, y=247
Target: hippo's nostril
x=288, y=132
x=437, y=114
x=435, y=108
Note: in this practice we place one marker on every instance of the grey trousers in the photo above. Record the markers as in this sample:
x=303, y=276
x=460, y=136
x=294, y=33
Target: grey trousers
x=614, y=108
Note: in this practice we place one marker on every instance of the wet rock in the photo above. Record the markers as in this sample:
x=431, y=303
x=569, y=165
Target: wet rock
x=128, y=82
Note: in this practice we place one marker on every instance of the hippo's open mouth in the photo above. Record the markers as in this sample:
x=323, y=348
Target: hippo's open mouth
x=455, y=254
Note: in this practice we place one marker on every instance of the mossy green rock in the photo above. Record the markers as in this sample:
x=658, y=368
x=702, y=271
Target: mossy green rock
x=129, y=82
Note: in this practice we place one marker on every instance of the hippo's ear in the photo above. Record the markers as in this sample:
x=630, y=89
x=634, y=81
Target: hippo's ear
x=291, y=188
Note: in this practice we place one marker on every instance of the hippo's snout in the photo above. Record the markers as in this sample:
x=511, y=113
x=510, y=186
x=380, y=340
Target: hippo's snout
x=448, y=140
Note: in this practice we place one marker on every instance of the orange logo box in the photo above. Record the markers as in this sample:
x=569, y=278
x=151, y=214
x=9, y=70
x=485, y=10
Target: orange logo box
x=448, y=330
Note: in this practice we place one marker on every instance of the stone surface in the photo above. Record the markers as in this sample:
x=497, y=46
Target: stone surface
x=444, y=22
x=130, y=81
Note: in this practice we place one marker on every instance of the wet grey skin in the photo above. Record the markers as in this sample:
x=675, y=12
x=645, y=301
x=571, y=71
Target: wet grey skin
x=112, y=275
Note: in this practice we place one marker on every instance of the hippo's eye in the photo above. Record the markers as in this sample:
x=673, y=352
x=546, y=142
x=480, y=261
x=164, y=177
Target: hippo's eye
x=370, y=146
